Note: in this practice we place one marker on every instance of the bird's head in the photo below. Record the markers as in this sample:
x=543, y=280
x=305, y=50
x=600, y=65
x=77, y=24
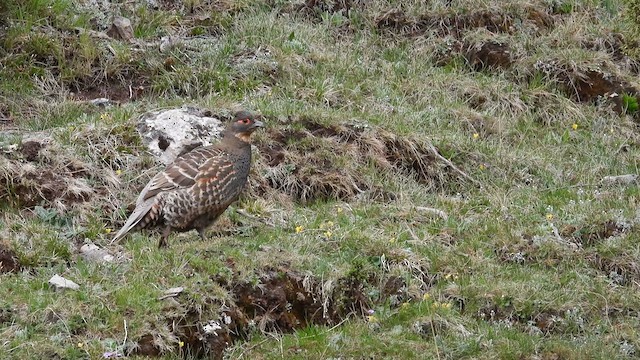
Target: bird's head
x=244, y=124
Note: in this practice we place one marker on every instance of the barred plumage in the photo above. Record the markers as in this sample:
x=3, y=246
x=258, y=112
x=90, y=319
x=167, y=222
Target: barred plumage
x=193, y=191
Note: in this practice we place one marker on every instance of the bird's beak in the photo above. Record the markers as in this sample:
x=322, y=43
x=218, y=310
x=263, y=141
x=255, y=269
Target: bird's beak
x=257, y=124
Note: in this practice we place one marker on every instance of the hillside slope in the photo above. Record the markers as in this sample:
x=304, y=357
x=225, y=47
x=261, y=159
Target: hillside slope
x=442, y=179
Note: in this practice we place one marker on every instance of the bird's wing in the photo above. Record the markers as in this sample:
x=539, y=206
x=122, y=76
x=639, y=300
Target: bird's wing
x=216, y=176
x=182, y=173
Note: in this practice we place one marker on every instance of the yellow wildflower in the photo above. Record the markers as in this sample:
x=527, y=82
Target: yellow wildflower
x=328, y=233
x=476, y=135
x=482, y=167
x=451, y=276
x=107, y=231
x=339, y=210
x=299, y=229
x=372, y=319
x=549, y=217
x=392, y=240
x=118, y=172
x=80, y=345
x=329, y=224
x=181, y=344
x=574, y=126
x=426, y=296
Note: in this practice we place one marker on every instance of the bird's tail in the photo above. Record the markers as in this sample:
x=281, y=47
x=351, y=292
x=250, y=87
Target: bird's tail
x=142, y=215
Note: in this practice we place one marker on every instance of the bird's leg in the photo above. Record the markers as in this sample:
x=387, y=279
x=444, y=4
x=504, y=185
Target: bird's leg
x=163, y=238
x=201, y=232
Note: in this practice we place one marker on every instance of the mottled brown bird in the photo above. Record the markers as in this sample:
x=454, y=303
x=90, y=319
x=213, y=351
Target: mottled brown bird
x=193, y=191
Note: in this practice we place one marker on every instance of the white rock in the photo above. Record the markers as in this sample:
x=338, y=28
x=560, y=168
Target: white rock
x=100, y=102
x=211, y=327
x=620, y=179
x=170, y=133
x=59, y=282
x=173, y=292
x=94, y=253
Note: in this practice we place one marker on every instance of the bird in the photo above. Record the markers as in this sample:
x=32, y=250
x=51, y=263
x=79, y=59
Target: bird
x=198, y=186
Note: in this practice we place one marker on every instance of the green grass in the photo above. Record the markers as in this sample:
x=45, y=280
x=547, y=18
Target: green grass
x=534, y=258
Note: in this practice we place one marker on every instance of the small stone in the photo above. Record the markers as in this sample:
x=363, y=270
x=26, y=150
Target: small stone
x=211, y=327
x=59, y=282
x=626, y=179
x=121, y=28
x=92, y=252
x=100, y=102
x=173, y=292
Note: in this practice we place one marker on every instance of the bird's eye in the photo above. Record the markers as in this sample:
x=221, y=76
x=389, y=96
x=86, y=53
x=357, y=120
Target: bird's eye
x=244, y=121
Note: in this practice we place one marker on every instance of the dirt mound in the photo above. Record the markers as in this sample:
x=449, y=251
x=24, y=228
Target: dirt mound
x=8, y=261
x=592, y=234
x=311, y=161
x=398, y=22
x=29, y=180
x=282, y=300
x=591, y=85
x=42, y=171
x=276, y=299
x=488, y=55
x=622, y=269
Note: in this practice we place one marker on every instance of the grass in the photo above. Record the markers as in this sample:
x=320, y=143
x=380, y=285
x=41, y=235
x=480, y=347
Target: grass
x=534, y=258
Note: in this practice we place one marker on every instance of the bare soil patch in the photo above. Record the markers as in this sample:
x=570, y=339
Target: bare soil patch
x=41, y=171
x=589, y=85
x=30, y=180
x=8, y=263
x=488, y=55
